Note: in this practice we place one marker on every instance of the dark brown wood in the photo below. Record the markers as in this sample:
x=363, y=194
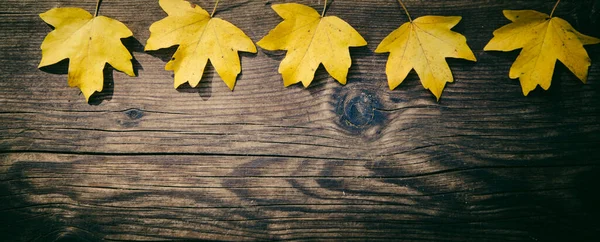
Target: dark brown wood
x=143, y=161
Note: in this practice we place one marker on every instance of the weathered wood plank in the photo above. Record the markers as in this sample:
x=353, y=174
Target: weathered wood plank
x=354, y=162
x=221, y=197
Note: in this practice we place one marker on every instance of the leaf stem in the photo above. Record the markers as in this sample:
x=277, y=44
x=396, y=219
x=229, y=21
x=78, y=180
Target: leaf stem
x=214, y=9
x=406, y=10
x=553, y=9
x=97, y=8
x=324, y=9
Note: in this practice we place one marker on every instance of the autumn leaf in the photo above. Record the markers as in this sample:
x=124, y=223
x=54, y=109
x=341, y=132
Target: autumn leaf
x=89, y=43
x=544, y=39
x=200, y=38
x=310, y=40
x=423, y=45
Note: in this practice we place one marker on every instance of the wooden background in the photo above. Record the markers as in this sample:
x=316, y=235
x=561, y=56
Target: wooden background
x=144, y=162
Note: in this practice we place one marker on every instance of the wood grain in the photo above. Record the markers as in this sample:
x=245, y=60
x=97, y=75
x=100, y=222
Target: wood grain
x=146, y=162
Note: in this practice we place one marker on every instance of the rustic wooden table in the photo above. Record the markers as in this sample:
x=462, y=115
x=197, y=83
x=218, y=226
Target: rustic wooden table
x=143, y=161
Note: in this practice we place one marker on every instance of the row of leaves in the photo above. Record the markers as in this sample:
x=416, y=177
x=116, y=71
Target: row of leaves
x=310, y=39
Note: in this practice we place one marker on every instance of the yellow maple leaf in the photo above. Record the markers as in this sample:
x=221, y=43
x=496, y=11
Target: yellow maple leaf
x=423, y=45
x=89, y=43
x=544, y=40
x=200, y=38
x=310, y=40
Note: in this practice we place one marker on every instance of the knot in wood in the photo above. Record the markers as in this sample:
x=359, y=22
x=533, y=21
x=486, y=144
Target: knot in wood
x=133, y=118
x=134, y=114
x=357, y=110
